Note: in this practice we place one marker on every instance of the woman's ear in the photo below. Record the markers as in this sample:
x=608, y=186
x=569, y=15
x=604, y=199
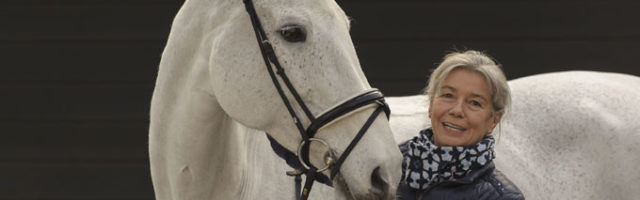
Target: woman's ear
x=496, y=119
x=430, y=105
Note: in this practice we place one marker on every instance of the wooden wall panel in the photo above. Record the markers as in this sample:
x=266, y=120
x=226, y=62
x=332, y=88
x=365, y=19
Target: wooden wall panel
x=519, y=58
x=79, y=141
x=493, y=20
x=80, y=62
x=77, y=20
x=75, y=102
x=75, y=181
x=76, y=84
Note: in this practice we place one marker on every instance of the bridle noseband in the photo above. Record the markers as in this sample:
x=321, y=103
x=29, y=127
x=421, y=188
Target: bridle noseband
x=369, y=97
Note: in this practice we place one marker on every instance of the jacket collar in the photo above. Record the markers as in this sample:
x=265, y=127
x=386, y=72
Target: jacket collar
x=472, y=175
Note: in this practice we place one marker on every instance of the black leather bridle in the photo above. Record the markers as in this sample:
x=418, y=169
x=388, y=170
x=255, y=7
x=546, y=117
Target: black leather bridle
x=369, y=97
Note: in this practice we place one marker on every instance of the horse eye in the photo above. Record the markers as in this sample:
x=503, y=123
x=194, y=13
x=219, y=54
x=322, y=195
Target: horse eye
x=293, y=33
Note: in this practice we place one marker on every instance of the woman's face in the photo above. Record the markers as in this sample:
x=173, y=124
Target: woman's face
x=461, y=109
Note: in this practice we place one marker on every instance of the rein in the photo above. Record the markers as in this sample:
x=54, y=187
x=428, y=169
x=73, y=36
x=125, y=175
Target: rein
x=305, y=167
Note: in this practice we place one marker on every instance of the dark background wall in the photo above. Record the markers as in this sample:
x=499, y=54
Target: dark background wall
x=77, y=75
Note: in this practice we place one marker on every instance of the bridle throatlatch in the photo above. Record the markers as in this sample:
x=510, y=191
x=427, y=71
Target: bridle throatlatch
x=303, y=164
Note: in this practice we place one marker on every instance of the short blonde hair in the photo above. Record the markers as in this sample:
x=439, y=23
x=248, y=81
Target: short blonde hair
x=480, y=63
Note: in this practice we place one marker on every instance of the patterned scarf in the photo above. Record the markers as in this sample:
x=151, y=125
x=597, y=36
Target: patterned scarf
x=426, y=164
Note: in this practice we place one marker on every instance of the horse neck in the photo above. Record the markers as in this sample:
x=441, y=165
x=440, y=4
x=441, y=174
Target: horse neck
x=194, y=147
x=199, y=152
x=194, y=144
x=196, y=150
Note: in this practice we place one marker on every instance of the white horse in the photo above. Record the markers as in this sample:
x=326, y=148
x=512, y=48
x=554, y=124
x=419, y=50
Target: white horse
x=214, y=98
x=569, y=135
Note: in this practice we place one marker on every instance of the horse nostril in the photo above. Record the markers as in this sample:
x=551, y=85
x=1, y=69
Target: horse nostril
x=379, y=182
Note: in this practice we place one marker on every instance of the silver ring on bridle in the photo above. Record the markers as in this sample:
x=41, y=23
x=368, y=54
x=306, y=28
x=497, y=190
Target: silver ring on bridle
x=328, y=160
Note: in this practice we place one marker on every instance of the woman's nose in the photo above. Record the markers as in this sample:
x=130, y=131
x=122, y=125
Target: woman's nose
x=456, y=110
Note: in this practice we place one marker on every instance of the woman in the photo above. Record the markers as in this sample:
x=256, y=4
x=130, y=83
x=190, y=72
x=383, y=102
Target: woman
x=468, y=95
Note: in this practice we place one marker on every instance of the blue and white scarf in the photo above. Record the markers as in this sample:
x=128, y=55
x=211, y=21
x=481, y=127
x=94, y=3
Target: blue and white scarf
x=426, y=164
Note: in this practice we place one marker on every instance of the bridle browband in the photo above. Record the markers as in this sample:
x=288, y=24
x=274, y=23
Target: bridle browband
x=369, y=97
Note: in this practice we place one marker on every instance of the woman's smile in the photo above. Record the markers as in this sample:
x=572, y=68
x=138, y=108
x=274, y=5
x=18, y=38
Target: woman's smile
x=453, y=127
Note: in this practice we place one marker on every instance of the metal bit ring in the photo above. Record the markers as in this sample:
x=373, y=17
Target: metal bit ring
x=328, y=161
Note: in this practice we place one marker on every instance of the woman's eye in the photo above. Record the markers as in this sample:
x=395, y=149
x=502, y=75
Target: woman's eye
x=447, y=95
x=293, y=33
x=475, y=103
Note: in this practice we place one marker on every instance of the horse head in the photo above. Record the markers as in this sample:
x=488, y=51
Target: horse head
x=213, y=50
